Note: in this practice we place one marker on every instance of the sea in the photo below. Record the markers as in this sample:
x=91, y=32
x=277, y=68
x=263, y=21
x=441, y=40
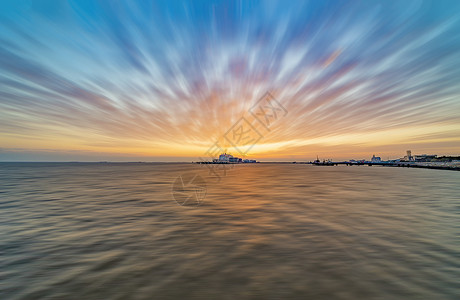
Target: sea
x=247, y=231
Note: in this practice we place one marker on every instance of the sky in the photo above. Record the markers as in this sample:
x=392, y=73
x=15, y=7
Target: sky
x=178, y=80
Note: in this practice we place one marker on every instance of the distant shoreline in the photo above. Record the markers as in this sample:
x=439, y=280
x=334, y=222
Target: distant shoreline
x=451, y=166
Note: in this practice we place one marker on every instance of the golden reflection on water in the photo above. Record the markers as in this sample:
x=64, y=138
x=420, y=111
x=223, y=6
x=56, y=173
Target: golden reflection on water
x=263, y=231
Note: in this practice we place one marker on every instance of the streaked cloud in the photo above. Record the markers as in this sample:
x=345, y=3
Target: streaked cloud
x=168, y=78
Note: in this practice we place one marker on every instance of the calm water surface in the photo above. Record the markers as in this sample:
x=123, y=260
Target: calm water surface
x=264, y=231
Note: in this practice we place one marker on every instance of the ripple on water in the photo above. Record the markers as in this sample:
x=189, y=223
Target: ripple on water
x=265, y=231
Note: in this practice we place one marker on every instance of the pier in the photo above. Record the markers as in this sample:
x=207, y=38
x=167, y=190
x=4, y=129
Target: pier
x=390, y=164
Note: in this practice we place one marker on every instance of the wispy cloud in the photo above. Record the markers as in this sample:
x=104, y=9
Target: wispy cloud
x=170, y=77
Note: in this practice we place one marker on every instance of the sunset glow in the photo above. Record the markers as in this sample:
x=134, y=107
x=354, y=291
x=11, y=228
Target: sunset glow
x=86, y=80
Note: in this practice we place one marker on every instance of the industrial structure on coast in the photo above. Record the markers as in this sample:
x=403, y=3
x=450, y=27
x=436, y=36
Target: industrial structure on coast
x=409, y=161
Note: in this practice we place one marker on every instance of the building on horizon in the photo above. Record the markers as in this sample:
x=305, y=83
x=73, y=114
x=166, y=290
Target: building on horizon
x=425, y=157
x=408, y=156
x=225, y=157
x=418, y=157
x=376, y=158
x=228, y=158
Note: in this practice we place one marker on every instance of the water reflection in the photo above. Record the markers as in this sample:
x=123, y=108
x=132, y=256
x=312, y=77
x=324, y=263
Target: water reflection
x=264, y=231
